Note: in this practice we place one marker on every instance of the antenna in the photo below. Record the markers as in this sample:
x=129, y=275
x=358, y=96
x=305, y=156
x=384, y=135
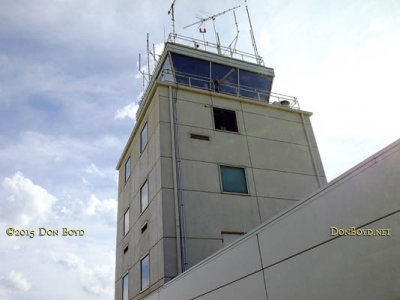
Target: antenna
x=148, y=57
x=215, y=30
x=172, y=13
x=234, y=41
x=258, y=58
x=140, y=69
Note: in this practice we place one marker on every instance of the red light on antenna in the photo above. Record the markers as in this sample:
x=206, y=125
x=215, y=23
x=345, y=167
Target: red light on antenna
x=202, y=30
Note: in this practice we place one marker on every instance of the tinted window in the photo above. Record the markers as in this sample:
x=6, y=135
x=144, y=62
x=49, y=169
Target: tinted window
x=224, y=78
x=143, y=138
x=144, y=273
x=191, y=70
x=233, y=180
x=127, y=169
x=125, y=287
x=225, y=119
x=254, y=85
x=144, y=196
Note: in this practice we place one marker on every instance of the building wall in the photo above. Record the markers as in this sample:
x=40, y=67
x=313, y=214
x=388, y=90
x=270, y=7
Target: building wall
x=272, y=147
x=294, y=256
x=144, y=166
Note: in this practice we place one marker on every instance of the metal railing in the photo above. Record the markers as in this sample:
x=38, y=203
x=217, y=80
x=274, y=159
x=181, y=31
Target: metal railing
x=219, y=49
x=206, y=83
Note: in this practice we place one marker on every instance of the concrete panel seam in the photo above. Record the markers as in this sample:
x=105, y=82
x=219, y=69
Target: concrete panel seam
x=259, y=252
x=252, y=136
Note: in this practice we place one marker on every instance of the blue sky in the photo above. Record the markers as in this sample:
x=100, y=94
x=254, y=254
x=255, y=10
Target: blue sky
x=68, y=89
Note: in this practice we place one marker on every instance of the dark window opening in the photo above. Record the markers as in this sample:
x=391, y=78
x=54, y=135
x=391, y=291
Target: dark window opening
x=225, y=119
x=126, y=249
x=144, y=227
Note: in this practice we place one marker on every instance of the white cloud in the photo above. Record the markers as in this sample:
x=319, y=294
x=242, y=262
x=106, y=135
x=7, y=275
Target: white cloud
x=94, y=279
x=128, y=111
x=13, y=282
x=106, y=209
x=27, y=202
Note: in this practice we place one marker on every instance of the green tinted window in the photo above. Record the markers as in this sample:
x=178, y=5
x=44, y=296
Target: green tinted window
x=233, y=180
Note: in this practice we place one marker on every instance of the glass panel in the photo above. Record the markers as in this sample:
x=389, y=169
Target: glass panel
x=125, y=287
x=191, y=71
x=233, y=180
x=127, y=169
x=224, y=78
x=126, y=222
x=144, y=272
x=254, y=85
x=225, y=119
x=143, y=138
x=144, y=196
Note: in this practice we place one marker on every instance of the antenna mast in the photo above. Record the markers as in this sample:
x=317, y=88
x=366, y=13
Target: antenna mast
x=258, y=58
x=215, y=30
x=172, y=13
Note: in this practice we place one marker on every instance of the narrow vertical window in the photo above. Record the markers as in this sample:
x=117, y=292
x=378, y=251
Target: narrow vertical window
x=143, y=138
x=233, y=180
x=144, y=272
x=225, y=119
x=125, y=287
x=144, y=196
x=127, y=169
x=126, y=222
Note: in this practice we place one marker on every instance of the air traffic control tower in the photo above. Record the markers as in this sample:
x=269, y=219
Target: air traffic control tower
x=213, y=154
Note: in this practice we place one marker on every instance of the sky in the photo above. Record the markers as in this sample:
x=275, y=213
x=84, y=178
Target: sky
x=69, y=87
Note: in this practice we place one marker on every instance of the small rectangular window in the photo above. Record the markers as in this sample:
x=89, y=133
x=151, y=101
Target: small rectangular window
x=233, y=180
x=228, y=238
x=144, y=272
x=125, y=287
x=127, y=169
x=225, y=119
x=126, y=249
x=126, y=222
x=144, y=196
x=143, y=138
x=144, y=227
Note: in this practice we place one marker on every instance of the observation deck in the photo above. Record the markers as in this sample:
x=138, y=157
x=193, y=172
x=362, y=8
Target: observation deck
x=216, y=69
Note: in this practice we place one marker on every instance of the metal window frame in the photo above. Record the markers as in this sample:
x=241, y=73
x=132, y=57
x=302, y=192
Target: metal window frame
x=128, y=161
x=141, y=274
x=236, y=119
x=143, y=147
x=142, y=209
x=123, y=225
x=245, y=177
x=123, y=277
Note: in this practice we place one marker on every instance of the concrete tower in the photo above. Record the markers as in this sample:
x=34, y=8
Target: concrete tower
x=212, y=155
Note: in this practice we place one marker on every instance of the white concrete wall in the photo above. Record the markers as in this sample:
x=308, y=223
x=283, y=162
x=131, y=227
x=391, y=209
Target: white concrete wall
x=144, y=166
x=293, y=256
x=271, y=146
